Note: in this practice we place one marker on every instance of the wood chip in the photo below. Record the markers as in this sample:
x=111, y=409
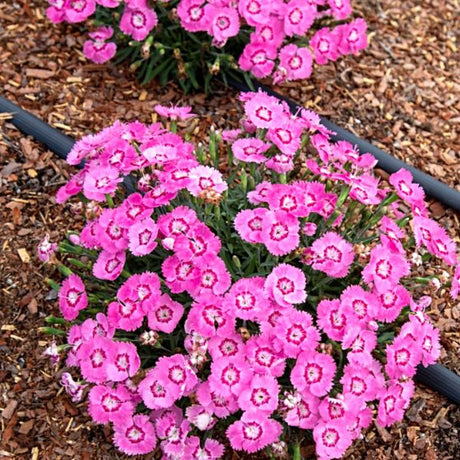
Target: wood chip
x=39, y=73
x=24, y=255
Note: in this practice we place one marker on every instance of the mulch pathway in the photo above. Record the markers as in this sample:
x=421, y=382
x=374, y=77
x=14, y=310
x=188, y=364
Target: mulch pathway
x=401, y=93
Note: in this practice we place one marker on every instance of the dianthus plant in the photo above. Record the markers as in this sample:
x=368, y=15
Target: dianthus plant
x=280, y=299
x=191, y=38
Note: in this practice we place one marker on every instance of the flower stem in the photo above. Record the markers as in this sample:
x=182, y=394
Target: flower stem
x=297, y=455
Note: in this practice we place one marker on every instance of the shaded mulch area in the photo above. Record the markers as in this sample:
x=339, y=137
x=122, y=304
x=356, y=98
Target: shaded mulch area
x=403, y=91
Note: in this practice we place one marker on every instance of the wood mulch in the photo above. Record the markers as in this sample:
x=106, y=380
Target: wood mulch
x=402, y=93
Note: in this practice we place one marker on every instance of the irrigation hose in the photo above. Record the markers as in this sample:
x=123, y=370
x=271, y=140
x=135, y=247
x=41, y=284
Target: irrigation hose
x=436, y=376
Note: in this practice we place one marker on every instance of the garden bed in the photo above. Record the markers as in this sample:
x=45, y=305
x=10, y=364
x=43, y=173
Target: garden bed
x=402, y=91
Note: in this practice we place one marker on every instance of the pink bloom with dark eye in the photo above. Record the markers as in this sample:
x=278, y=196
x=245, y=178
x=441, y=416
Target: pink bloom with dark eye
x=394, y=401
x=258, y=57
x=429, y=233
x=230, y=345
x=192, y=15
x=391, y=303
x=109, y=265
x=402, y=357
x=200, y=241
x=259, y=195
x=211, y=450
x=332, y=319
x=112, y=237
x=324, y=44
x=333, y=255
x=270, y=31
x=229, y=376
x=249, y=223
x=174, y=112
x=286, y=285
x=93, y=358
x=206, y=178
x=135, y=435
x=301, y=410
x=295, y=63
x=219, y=405
x=72, y=297
x=253, y=432
x=142, y=237
x=358, y=303
x=332, y=439
x=314, y=372
x=358, y=380
x=180, y=275
x=341, y=9
x=179, y=221
x=280, y=232
x=56, y=10
x=385, y=268
x=97, y=49
x=138, y=20
x=108, y=404
x=165, y=314
x=286, y=135
x=250, y=150
x=253, y=11
x=46, y=249
x=353, y=36
x=100, y=182
x=298, y=17
x=224, y=23
x=127, y=314
x=260, y=396
x=262, y=356
x=263, y=110
x=213, y=277
x=124, y=361
x=246, y=298
x=79, y=10
x=411, y=193
x=295, y=333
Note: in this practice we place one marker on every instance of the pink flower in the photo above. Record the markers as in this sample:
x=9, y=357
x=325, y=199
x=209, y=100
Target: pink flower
x=246, y=298
x=249, y=223
x=260, y=396
x=324, y=44
x=165, y=314
x=108, y=265
x=411, y=193
x=280, y=232
x=224, y=23
x=286, y=135
x=198, y=242
x=263, y=110
x=174, y=112
x=124, y=362
x=286, y=285
x=229, y=376
x=138, y=20
x=219, y=405
x=391, y=303
x=250, y=150
x=108, y=404
x=358, y=303
x=253, y=12
x=213, y=276
x=200, y=417
x=258, y=57
x=333, y=255
x=253, y=432
x=205, y=179
x=385, y=268
x=100, y=182
x=332, y=319
x=313, y=372
x=180, y=275
x=341, y=9
x=72, y=388
x=402, y=357
x=98, y=50
x=142, y=237
x=135, y=435
x=46, y=249
x=56, y=10
x=301, y=410
x=179, y=221
x=193, y=15
x=332, y=439
x=352, y=36
x=229, y=346
x=93, y=358
x=295, y=63
x=53, y=352
x=112, y=237
x=263, y=357
x=72, y=297
x=363, y=381
x=79, y=10
x=298, y=17
x=212, y=449
x=394, y=401
x=435, y=238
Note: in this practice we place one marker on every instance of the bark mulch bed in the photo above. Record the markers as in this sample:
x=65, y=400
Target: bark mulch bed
x=402, y=93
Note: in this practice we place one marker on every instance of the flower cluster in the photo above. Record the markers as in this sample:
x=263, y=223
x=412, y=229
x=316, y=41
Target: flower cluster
x=274, y=33
x=283, y=297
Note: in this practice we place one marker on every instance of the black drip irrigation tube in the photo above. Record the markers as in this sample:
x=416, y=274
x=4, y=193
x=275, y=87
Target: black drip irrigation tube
x=435, y=376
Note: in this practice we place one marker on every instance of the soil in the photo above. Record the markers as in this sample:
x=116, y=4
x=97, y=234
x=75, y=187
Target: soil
x=402, y=93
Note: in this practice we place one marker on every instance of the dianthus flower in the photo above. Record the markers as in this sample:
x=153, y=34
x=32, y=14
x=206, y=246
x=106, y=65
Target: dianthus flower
x=258, y=58
x=260, y=396
x=324, y=44
x=211, y=450
x=46, y=249
x=99, y=182
x=93, y=357
x=98, y=50
x=408, y=191
x=286, y=285
x=123, y=361
x=165, y=314
x=301, y=410
x=72, y=297
x=298, y=17
x=72, y=388
x=333, y=255
x=229, y=346
x=138, y=19
x=135, y=435
x=250, y=150
x=108, y=404
x=332, y=439
x=142, y=237
x=263, y=110
x=174, y=112
x=229, y=376
x=249, y=223
x=280, y=232
x=332, y=319
x=253, y=432
x=402, y=357
x=221, y=406
x=394, y=401
x=205, y=179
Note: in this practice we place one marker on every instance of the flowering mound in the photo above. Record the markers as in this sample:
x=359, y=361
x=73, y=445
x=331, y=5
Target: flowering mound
x=281, y=299
x=183, y=37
